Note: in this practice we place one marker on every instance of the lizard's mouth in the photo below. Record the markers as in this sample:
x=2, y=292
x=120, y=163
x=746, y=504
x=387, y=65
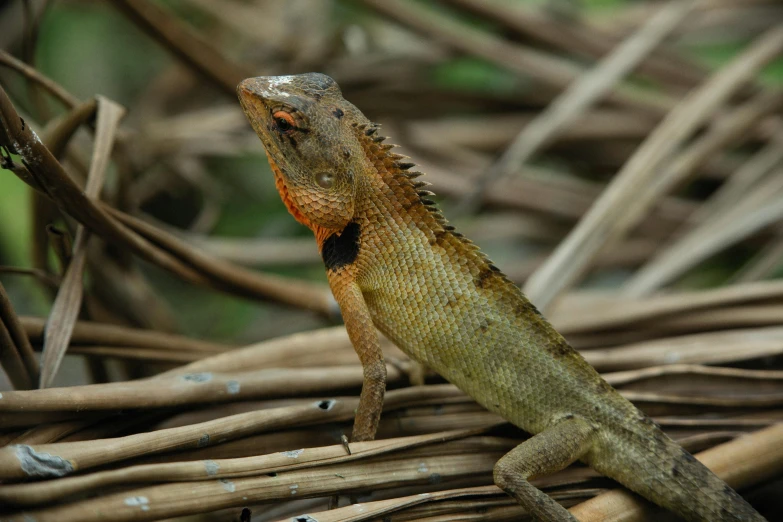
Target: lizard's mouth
x=257, y=114
x=273, y=153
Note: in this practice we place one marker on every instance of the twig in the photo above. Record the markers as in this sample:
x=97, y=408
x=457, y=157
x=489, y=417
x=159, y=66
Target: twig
x=31, y=73
x=710, y=237
x=586, y=90
x=751, y=172
x=763, y=264
x=68, y=457
x=586, y=312
x=188, y=389
x=526, y=61
x=581, y=38
x=312, y=458
x=67, y=304
x=185, y=44
x=17, y=345
x=616, y=212
x=721, y=347
x=91, y=333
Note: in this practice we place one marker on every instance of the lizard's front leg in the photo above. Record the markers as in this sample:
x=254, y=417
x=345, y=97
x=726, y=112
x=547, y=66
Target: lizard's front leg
x=364, y=338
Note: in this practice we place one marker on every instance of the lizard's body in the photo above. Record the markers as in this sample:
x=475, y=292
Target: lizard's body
x=394, y=263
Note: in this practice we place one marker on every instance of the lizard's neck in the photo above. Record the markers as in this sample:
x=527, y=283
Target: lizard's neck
x=405, y=196
x=407, y=203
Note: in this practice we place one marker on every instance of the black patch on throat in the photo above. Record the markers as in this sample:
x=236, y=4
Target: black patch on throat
x=341, y=250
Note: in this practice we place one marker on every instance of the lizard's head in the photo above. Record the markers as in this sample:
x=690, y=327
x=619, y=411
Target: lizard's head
x=311, y=148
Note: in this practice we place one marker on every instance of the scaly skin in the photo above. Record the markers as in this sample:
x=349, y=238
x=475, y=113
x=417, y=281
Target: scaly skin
x=394, y=263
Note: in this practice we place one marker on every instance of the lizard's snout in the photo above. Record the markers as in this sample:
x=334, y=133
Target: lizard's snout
x=248, y=88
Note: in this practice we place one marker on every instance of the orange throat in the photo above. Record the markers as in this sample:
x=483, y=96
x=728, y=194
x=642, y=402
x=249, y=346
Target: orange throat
x=321, y=233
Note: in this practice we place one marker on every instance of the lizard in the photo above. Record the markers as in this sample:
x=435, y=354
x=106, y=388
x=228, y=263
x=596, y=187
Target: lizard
x=394, y=263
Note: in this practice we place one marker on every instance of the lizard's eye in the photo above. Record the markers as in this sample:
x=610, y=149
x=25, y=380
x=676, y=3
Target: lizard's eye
x=325, y=180
x=284, y=121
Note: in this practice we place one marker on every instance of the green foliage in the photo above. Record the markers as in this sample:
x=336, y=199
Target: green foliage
x=15, y=220
x=718, y=54
x=91, y=47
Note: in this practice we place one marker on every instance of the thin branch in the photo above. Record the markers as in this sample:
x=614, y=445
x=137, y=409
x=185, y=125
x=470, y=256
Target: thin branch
x=186, y=44
x=616, y=211
x=17, y=349
x=580, y=95
x=31, y=73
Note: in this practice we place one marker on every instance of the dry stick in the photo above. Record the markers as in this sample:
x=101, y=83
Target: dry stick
x=323, y=347
x=185, y=44
x=629, y=254
x=33, y=74
x=741, y=463
x=763, y=264
x=56, y=135
x=491, y=132
x=259, y=252
x=18, y=462
x=44, y=173
x=566, y=200
x=209, y=387
x=248, y=20
x=50, y=432
x=150, y=355
x=12, y=362
x=617, y=211
x=63, y=458
x=579, y=38
x=169, y=500
x=589, y=312
x=90, y=333
x=20, y=342
x=378, y=509
x=62, y=246
x=722, y=318
x=232, y=277
x=526, y=61
x=747, y=316
x=736, y=401
x=52, y=490
x=667, y=264
x=709, y=238
x=750, y=173
x=580, y=95
x=630, y=376
x=704, y=348
x=67, y=304
x=51, y=281
x=192, y=388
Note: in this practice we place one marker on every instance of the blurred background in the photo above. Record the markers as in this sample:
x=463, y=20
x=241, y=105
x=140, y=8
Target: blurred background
x=621, y=160
x=453, y=82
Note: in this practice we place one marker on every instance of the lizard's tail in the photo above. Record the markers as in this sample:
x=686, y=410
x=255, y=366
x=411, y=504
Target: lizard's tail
x=675, y=480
